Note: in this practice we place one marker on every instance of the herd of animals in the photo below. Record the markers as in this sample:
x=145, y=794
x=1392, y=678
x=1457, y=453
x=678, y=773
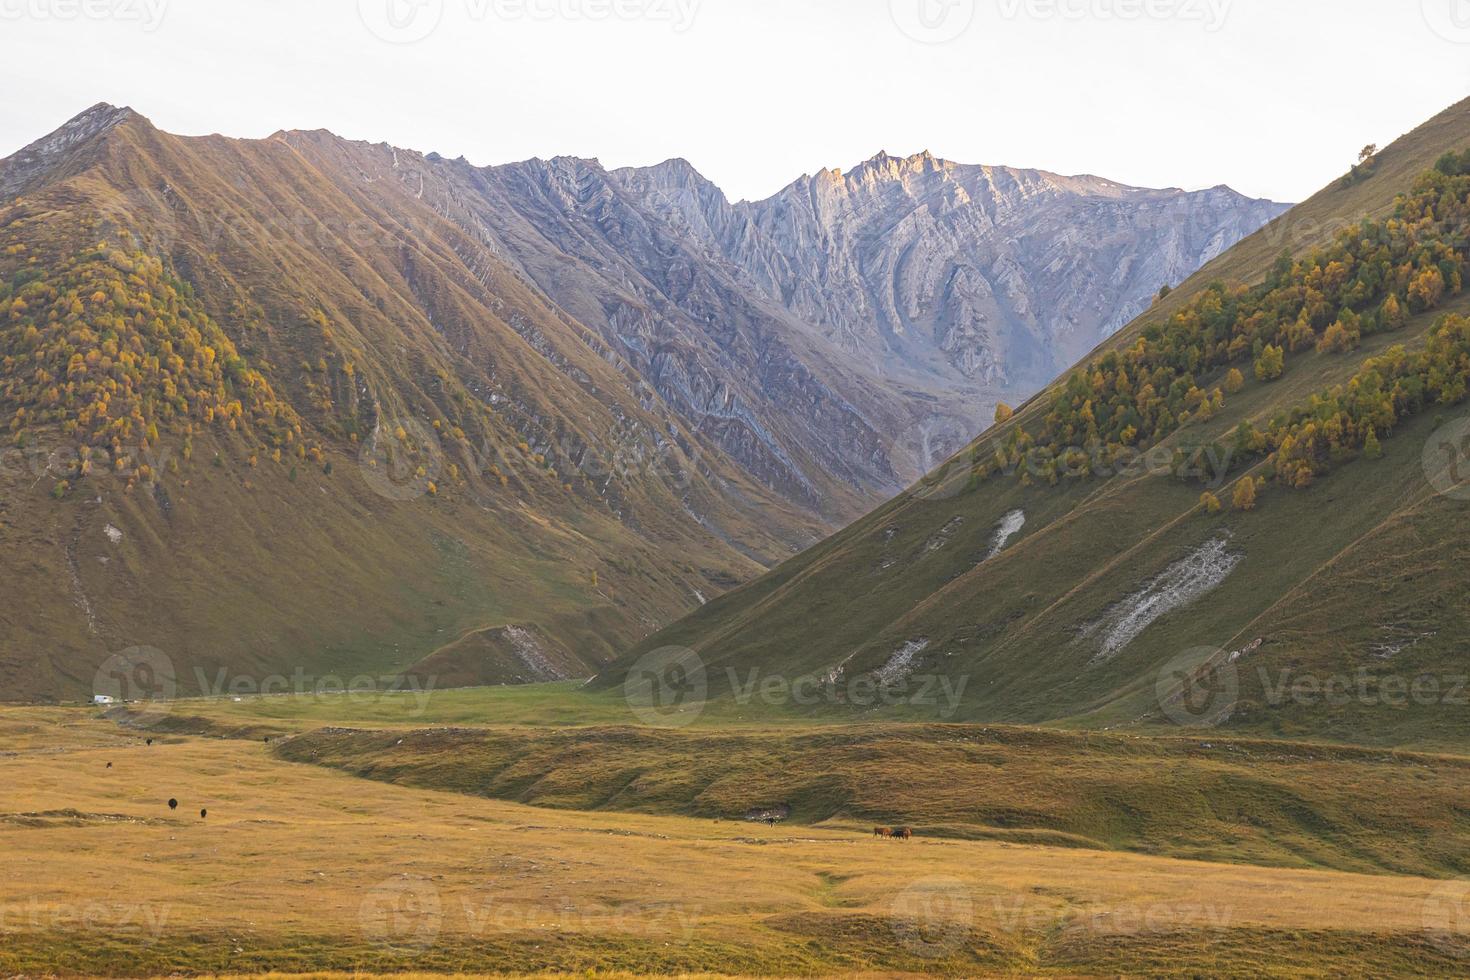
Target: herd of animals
x=897, y=833
x=173, y=804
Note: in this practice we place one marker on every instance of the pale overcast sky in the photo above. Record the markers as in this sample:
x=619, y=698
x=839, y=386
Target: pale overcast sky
x=1273, y=97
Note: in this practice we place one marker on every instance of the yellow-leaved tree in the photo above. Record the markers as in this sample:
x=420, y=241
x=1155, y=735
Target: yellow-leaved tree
x=1245, y=495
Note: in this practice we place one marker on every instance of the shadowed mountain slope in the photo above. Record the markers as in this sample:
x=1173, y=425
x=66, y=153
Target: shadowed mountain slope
x=1061, y=571
x=307, y=403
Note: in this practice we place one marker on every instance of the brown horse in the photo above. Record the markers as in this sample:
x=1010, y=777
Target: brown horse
x=882, y=831
x=903, y=833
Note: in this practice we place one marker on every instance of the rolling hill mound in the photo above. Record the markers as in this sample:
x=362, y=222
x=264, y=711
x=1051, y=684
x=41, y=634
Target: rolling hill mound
x=1243, y=509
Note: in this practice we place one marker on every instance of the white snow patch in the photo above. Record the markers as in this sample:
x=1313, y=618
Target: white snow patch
x=835, y=675
x=529, y=652
x=945, y=533
x=1179, y=585
x=1247, y=650
x=901, y=664
x=113, y=534
x=1007, y=529
x=1397, y=640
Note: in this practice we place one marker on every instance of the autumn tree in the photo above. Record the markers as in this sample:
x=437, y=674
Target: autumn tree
x=1244, y=497
x=1338, y=339
x=1371, y=447
x=1392, y=315
x=1426, y=290
x=1271, y=363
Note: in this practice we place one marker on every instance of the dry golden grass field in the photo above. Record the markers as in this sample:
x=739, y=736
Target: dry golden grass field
x=301, y=868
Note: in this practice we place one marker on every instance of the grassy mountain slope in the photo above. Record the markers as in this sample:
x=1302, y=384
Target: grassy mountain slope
x=1358, y=572
x=255, y=420
x=489, y=425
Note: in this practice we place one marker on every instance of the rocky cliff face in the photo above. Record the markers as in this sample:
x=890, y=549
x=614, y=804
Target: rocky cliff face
x=844, y=335
x=992, y=278
x=542, y=396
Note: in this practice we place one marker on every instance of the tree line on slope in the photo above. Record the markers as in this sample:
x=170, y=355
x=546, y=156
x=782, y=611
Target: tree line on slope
x=113, y=350
x=1368, y=281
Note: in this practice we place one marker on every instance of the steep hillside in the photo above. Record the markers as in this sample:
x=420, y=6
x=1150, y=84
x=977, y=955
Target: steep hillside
x=307, y=403
x=840, y=338
x=258, y=422
x=1066, y=567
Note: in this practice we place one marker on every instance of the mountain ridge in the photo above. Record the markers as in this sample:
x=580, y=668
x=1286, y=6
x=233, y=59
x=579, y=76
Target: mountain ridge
x=577, y=396
x=1069, y=601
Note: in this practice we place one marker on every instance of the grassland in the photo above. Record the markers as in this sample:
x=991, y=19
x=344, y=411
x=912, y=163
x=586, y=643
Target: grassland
x=1231, y=801
x=300, y=868
x=1203, y=795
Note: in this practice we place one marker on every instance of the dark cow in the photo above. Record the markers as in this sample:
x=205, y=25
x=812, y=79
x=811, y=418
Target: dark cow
x=173, y=804
x=903, y=833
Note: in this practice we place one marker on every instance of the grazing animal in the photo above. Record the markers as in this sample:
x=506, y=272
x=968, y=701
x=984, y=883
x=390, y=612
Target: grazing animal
x=150, y=741
x=882, y=831
x=109, y=765
x=903, y=833
x=203, y=814
x=173, y=804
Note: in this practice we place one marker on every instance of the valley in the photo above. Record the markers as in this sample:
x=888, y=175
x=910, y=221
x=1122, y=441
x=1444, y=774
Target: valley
x=421, y=567
x=429, y=407
x=299, y=868
x=1142, y=554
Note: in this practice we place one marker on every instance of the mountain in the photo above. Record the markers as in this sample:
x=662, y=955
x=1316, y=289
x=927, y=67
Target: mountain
x=987, y=280
x=1243, y=509
x=829, y=340
x=952, y=287
x=305, y=403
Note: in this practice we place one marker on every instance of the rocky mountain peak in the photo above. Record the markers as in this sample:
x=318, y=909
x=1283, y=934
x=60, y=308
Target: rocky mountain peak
x=50, y=152
x=883, y=168
x=676, y=174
